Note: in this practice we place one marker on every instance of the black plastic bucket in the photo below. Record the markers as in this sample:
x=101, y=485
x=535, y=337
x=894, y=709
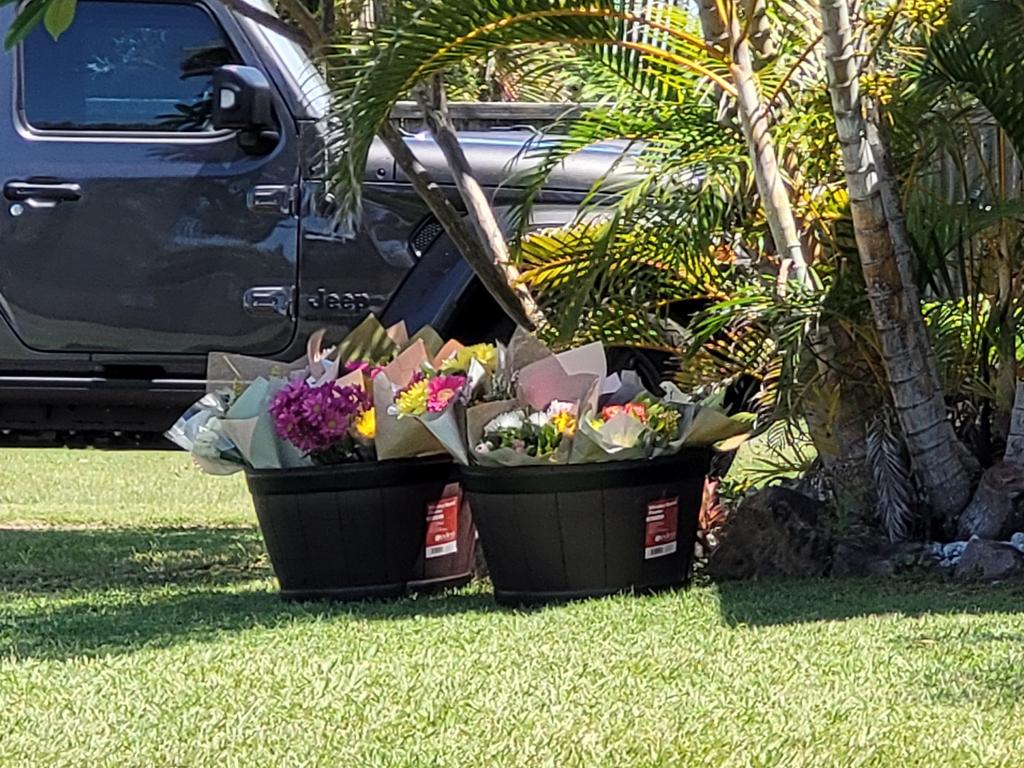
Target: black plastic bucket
x=360, y=531
x=560, y=533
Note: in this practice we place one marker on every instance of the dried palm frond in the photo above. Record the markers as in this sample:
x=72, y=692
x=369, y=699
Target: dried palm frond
x=890, y=470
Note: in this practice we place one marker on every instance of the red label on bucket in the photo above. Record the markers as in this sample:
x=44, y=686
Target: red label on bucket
x=662, y=531
x=443, y=527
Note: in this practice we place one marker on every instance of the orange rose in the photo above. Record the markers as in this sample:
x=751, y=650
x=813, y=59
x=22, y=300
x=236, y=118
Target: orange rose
x=609, y=412
x=637, y=410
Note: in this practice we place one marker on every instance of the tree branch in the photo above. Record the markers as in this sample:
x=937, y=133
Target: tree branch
x=495, y=265
x=455, y=225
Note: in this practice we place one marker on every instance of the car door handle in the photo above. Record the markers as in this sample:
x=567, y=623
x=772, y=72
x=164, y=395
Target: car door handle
x=269, y=300
x=43, y=193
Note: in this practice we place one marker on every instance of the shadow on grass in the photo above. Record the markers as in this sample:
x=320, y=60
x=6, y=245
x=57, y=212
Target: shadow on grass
x=54, y=560
x=127, y=622
x=771, y=603
x=87, y=592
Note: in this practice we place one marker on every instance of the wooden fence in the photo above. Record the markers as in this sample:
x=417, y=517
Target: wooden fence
x=984, y=168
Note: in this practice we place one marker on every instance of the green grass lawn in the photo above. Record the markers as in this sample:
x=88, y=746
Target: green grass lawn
x=139, y=627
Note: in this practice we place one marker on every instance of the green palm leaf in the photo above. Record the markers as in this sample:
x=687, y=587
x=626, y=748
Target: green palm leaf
x=980, y=49
x=650, y=46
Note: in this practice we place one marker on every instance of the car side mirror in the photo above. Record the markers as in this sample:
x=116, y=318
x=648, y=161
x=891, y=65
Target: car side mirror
x=243, y=101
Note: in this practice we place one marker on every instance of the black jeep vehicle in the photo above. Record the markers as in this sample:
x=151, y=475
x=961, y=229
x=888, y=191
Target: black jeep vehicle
x=141, y=228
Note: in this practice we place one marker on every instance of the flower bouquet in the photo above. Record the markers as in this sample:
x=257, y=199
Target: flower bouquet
x=582, y=482
x=432, y=395
x=350, y=505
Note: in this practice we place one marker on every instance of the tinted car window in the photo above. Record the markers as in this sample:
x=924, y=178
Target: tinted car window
x=125, y=67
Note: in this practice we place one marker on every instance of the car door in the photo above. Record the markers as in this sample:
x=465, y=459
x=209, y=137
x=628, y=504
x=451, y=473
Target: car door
x=129, y=224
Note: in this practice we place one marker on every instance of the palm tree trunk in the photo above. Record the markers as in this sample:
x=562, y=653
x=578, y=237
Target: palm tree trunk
x=328, y=18
x=1005, y=305
x=903, y=246
x=937, y=456
x=477, y=235
x=432, y=99
x=728, y=36
x=754, y=120
x=714, y=31
x=760, y=29
x=1015, y=444
x=455, y=225
x=712, y=24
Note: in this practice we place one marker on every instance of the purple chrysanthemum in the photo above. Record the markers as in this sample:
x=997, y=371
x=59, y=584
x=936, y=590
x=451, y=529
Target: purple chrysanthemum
x=315, y=419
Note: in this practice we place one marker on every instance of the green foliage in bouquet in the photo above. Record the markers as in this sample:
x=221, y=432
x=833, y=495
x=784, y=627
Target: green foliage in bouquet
x=534, y=433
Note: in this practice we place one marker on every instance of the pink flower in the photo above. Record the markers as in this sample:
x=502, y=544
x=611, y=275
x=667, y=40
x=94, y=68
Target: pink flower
x=442, y=390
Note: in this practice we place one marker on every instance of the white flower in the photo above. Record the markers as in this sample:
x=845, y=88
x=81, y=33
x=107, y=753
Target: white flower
x=540, y=419
x=509, y=420
x=207, y=440
x=561, y=406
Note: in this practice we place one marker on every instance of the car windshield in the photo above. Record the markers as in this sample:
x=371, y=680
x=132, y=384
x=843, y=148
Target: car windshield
x=295, y=61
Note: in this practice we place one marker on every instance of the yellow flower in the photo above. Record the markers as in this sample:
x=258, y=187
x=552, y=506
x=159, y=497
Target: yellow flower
x=564, y=422
x=413, y=401
x=485, y=354
x=366, y=424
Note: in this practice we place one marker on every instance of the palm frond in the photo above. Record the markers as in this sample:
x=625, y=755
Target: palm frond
x=649, y=45
x=890, y=470
x=980, y=49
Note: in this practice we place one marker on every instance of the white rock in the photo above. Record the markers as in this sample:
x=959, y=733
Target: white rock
x=954, y=550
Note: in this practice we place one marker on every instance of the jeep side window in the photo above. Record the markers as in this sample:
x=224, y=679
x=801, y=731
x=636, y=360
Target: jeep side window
x=125, y=67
